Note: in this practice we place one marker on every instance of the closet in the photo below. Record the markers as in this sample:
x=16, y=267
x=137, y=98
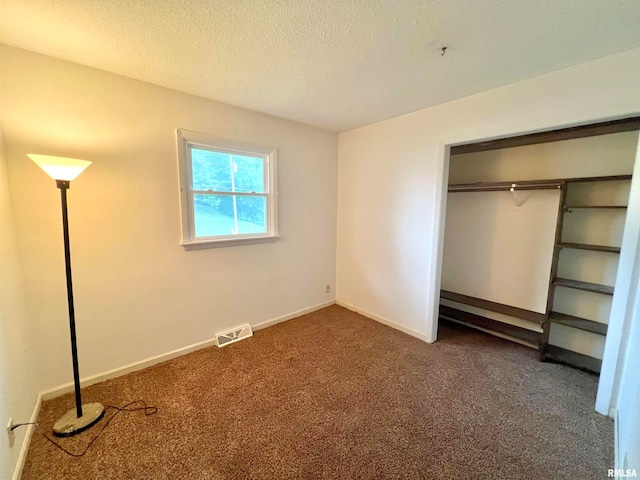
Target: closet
x=532, y=237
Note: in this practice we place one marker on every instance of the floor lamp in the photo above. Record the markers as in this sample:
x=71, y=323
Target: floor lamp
x=78, y=419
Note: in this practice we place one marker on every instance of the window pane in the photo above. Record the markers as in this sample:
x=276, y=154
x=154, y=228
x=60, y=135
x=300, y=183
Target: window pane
x=229, y=215
x=249, y=175
x=225, y=172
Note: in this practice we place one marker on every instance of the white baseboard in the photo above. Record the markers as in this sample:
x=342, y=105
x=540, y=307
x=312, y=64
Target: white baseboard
x=22, y=457
x=120, y=371
x=385, y=321
x=299, y=313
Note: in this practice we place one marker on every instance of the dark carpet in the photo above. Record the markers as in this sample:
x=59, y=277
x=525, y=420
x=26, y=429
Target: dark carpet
x=333, y=394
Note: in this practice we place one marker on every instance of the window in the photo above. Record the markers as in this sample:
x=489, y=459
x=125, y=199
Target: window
x=227, y=192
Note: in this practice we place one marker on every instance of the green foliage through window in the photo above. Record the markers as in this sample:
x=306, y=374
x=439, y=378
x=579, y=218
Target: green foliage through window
x=218, y=172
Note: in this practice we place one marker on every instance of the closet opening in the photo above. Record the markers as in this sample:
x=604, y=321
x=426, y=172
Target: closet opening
x=532, y=237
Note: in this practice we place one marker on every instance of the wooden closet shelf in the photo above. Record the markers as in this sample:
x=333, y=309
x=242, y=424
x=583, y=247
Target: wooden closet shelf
x=551, y=183
x=573, y=359
x=608, y=178
x=528, y=315
x=529, y=337
x=504, y=186
x=585, y=246
x=579, y=323
x=580, y=131
x=615, y=207
x=586, y=286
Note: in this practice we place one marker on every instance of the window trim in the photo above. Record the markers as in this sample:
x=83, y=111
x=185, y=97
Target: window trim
x=187, y=139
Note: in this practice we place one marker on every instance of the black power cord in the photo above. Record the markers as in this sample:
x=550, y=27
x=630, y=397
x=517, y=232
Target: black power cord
x=22, y=425
x=129, y=407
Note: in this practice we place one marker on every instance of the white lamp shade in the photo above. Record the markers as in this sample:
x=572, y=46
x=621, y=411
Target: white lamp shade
x=60, y=168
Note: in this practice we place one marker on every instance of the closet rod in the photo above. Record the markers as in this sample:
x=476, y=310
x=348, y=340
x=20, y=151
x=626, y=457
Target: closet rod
x=500, y=187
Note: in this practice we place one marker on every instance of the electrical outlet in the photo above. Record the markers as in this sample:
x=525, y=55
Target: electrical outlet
x=328, y=289
x=10, y=432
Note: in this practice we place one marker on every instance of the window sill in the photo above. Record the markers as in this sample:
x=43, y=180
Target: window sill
x=227, y=242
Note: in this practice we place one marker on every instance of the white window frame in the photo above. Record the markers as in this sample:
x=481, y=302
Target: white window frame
x=188, y=139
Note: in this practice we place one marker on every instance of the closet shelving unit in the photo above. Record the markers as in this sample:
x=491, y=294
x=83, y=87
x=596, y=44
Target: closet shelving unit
x=551, y=317
x=532, y=338
x=552, y=352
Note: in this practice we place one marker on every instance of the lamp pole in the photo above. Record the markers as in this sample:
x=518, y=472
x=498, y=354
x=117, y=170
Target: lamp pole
x=63, y=185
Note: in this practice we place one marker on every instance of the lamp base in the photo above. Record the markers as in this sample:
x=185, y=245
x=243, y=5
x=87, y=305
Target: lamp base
x=70, y=424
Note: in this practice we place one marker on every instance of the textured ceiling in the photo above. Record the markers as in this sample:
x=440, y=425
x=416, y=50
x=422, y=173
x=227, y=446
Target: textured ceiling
x=337, y=64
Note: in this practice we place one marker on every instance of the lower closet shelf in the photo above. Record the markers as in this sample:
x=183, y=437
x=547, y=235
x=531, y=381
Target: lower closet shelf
x=573, y=359
x=524, y=335
x=579, y=323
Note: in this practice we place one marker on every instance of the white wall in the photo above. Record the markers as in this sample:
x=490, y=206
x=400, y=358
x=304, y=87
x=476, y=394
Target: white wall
x=138, y=293
x=392, y=180
x=18, y=374
x=499, y=251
